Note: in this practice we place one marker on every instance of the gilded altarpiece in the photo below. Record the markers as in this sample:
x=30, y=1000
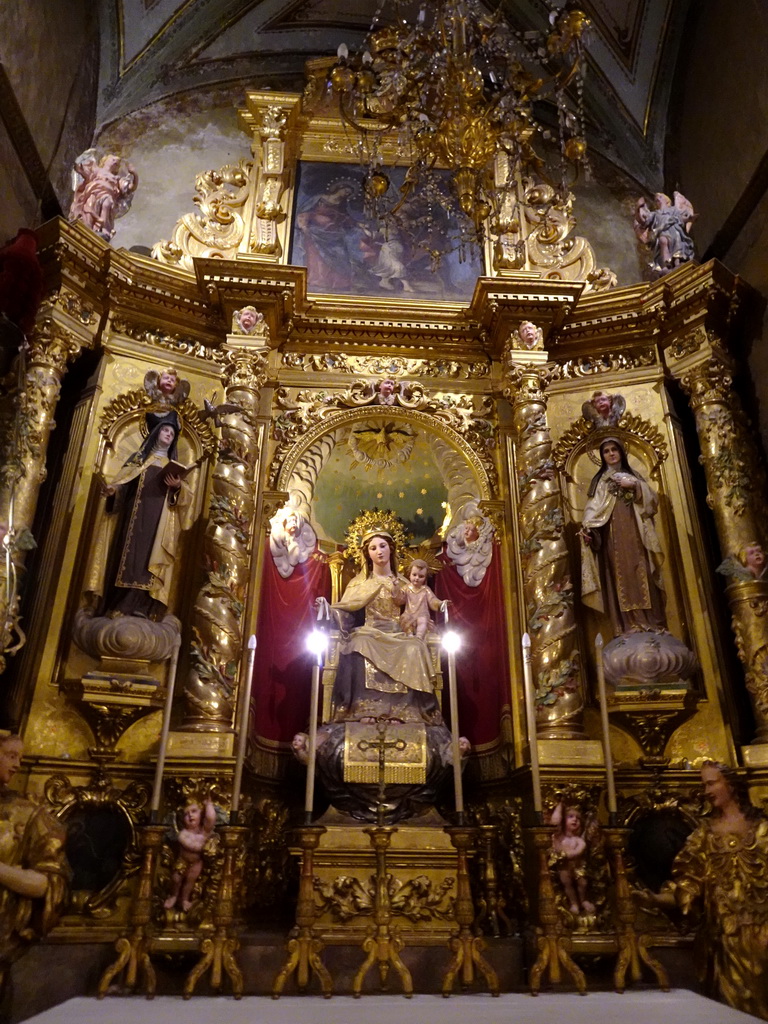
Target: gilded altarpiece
x=444, y=413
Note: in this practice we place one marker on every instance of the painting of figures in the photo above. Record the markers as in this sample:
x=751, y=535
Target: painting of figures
x=347, y=251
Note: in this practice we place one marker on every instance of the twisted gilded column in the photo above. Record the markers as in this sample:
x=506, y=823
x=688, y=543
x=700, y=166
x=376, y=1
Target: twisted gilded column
x=547, y=586
x=736, y=493
x=210, y=690
x=24, y=447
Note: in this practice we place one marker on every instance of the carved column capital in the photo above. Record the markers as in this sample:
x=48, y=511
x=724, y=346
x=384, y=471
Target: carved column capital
x=527, y=382
x=53, y=345
x=245, y=363
x=709, y=382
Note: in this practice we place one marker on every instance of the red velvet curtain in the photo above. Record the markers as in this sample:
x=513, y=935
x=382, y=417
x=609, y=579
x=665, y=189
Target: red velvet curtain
x=482, y=663
x=283, y=671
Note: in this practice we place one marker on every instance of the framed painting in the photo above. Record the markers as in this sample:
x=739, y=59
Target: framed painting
x=347, y=251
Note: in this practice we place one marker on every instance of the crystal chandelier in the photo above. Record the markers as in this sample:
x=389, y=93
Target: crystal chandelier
x=454, y=94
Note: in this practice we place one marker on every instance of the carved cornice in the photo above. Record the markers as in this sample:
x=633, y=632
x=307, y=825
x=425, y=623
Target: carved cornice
x=142, y=290
x=75, y=256
x=387, y=366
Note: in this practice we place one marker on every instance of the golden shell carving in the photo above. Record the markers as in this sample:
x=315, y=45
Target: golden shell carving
x=131, y=402
x=576, y=436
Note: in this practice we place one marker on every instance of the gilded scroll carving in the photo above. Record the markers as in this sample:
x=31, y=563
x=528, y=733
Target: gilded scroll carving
x=164, y=340
x=582, y=428
x=218, y=227
x=468, y=416
x=534, y=233
x=418, y=899
x=608, y=362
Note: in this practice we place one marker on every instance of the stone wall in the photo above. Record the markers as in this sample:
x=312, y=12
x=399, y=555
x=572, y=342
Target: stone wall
x=48, y=83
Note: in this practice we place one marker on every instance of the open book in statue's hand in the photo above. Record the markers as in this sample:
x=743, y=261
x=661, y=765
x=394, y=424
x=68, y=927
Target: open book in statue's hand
x=177, y=469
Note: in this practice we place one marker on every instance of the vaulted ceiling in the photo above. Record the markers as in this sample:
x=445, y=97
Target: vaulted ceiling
x=154, y=48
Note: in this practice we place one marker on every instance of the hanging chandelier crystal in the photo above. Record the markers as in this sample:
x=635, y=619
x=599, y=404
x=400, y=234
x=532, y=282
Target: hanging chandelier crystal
x=455, y=94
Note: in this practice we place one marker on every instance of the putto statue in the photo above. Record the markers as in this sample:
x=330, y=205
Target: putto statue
x=248, y=320
x=604, y=410
x=190, y=843
x=291, y=539
x=666, y=230
x=103, y=191
x=750, y=563
x=165, y=387
x=469, y=544
x=570, y=850
x=528, y=335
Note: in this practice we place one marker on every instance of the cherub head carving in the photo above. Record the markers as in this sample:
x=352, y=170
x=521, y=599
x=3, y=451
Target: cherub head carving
x=529, y=335
x=165, y=387
x=247, y=320
x=604, y=410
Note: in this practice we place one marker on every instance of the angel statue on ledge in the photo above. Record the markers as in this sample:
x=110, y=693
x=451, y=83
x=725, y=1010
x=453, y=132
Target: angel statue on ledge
x=384, y=675
x=665, y=229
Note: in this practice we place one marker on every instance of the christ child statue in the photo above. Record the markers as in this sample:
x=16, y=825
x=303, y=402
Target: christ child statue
x=418, y=601
x=569, y=848
x=198, y=827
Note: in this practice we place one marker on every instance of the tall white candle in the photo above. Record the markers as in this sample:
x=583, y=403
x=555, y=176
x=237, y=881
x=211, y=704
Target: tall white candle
x=609, y=779
x=164, y=731
x=530, y=711
x=451, y=643
x=309, y=792
x=242, y=730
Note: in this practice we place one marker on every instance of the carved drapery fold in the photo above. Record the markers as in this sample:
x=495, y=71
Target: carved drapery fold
x=210, y=690
x=736, y=493
x=547, y=586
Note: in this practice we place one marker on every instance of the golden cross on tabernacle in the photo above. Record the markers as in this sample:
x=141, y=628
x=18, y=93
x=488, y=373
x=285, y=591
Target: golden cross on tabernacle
x=382, y=744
